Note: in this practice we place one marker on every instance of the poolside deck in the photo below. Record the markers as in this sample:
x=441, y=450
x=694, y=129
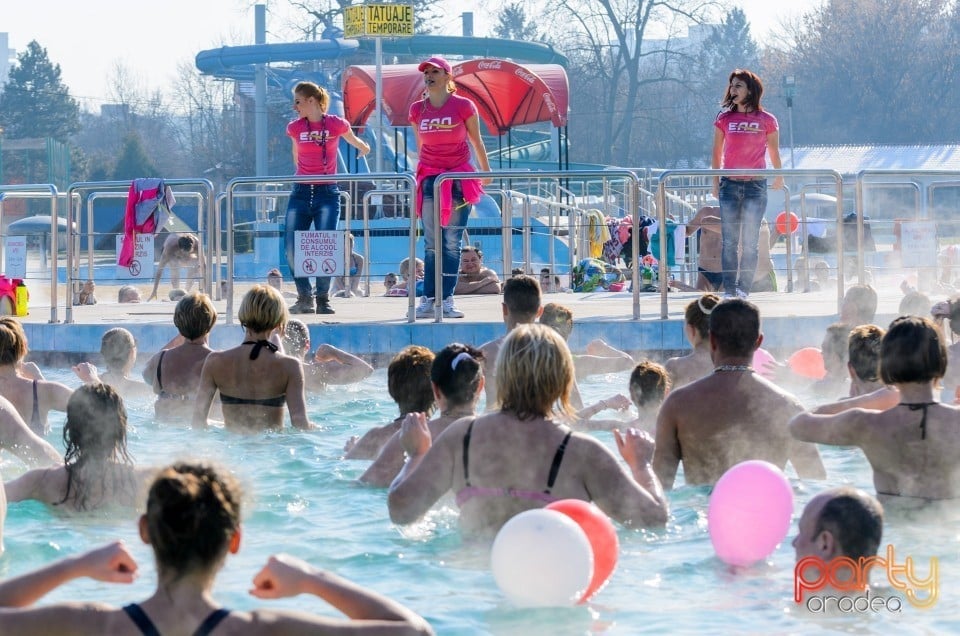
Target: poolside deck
x=376, y=327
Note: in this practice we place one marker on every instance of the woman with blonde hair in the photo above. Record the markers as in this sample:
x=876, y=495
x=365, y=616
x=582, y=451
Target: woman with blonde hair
x=174, y=373
x=192, y=522
x=696, y=327
x=22, y=383
x=255, y=379
x=315, y=201
x=520, y=456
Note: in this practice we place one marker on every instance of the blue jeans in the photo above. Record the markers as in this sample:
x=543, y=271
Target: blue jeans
x=451, y=239
x=742, y=205
x=317, y=205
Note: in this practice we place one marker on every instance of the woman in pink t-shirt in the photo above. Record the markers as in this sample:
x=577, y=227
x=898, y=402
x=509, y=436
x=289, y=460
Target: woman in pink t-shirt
x=443, y=124
x=744, y=134
x=316, y=136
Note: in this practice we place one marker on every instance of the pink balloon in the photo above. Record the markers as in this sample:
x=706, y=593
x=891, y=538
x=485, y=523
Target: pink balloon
x=749, y=513
x=764, y=363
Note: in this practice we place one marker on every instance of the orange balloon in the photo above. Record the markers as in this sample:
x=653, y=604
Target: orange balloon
x=781, y=223
x=602, y=536
x=808, y=362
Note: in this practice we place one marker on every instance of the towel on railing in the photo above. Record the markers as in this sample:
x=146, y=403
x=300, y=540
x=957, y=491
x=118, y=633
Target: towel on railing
x=149, y=202
x=597, y=232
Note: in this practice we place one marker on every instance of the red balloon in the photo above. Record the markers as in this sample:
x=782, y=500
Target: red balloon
x=808, y=362
x=602, y=536
x=781, y=223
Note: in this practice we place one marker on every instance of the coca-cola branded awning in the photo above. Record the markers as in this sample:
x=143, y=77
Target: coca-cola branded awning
x=507, y=94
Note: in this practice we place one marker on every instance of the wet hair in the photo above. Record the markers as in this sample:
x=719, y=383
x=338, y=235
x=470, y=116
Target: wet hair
x=193, y=511
x=735, y=326
x=912, y=351
x=296, y=338
x=559, y=318
x=534, y=372
x=836, y=341
x=408, y=380
x=262, y=309
x=116, y=346
x=697, y=313
x=859, y=306
x=754, y=86
x=855, y=519
x=309, y=89
x=649, y=383
x=186, y=243
x=863, y=351
x=914, y=303
x=13, y=341
x=95, y=432
x=195, y=315
x=521, y=295
x=457, y=370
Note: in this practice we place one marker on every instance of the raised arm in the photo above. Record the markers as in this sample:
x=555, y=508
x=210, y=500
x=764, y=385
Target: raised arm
x=635, y=498
x=841, y=429
x=880, y=400
x=428, y=471
x=387, y=465
x=284, y=576
x=336, y=366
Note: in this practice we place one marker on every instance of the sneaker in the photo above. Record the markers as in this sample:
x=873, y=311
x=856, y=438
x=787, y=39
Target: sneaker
x=302, y=306
x=450, y=310
x=425, y=308
x=323, y=305
x=741, y=293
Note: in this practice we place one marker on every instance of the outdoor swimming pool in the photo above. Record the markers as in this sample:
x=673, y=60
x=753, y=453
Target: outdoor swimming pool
x=302, y=498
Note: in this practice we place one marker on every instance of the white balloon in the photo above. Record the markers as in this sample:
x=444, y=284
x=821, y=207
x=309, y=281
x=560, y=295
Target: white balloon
x=542, y=558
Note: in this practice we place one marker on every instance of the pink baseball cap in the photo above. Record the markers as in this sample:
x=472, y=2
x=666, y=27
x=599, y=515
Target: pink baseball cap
x=438, y=62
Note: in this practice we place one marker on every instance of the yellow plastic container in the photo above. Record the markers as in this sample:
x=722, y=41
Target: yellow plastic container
x=22, y=299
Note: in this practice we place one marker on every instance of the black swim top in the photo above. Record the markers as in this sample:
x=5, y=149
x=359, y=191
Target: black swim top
x=279, y=400
x=469, y=491
x=920, y=406
x=36, y=424
x=258, y=345
x=147, y=628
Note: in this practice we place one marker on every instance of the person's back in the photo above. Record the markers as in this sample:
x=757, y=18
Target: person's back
x=732, y=415
x=521, y=305
x=697, y=364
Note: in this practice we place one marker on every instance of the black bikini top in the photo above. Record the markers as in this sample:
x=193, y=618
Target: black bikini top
x=258, y=345
x=920, y=406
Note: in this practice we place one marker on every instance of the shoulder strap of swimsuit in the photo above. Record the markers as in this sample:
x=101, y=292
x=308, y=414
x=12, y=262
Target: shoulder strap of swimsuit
x=923, y=419
x=35, y=416
x=557, y=460
x=140, y=618
x=210, y=622
x=160, y=364
x=466, y=452
x=258, y=345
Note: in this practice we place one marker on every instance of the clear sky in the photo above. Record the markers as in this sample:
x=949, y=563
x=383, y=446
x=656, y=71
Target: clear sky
x=89, y=39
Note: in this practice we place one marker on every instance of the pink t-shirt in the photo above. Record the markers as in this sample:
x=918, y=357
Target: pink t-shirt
x=312, y=139
x=443, y=131
x=745, y=138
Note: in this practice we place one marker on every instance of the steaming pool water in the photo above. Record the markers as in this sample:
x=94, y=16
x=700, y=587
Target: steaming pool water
x=301, y=498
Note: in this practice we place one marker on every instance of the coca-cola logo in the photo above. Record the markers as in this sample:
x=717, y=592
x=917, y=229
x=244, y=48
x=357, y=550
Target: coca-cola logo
x=489, y=65
x=525, y=75
x=457, y=71
x=548, y=100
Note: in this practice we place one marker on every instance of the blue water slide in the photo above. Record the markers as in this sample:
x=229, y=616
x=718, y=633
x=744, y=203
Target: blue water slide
x=239, y=62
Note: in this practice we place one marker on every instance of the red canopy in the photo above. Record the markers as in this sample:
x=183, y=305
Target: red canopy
x=506, y=94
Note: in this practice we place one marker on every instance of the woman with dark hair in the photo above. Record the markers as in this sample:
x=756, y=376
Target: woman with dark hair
x=97, y=470
x=174, y=373
x=521, y=456
x=457, y=379
x=22, y=383
x=744, y=134
x=192, y=522
x=696, y=327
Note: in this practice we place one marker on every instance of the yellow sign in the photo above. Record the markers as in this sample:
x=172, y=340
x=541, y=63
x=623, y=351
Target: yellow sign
x=378, y=20
x=353, y=22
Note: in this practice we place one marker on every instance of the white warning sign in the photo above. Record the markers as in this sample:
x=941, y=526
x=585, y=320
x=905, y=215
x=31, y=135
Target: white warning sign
x=142, y=265
x=319, y=253
x=918, y=243
x=15, y=255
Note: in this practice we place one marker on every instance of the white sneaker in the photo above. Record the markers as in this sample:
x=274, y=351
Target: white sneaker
x=425, y=308
x=450, y=310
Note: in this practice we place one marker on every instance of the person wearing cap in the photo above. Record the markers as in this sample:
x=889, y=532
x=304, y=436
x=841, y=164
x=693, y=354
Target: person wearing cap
x=315, y=201
x=443, y=124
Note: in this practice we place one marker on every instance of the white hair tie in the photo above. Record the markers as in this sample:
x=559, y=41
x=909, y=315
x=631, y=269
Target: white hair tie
x=463, y=355
x=702, y=308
